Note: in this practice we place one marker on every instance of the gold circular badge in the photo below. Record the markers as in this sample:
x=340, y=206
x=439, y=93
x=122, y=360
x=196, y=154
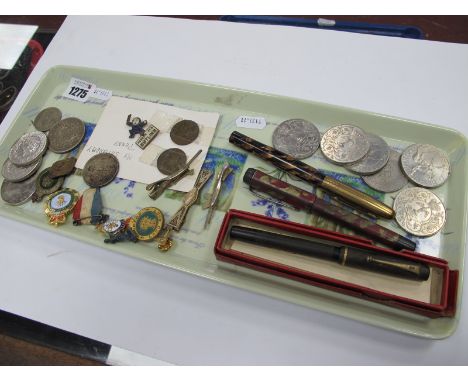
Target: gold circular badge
x=60, y=204
x=147, y=223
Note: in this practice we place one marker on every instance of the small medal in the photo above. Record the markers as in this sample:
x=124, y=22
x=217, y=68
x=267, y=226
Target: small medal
x=63, y=167
x=45, y=185
x=60, y=204
x=117, y=230
x=89, y=207
x=147, y=223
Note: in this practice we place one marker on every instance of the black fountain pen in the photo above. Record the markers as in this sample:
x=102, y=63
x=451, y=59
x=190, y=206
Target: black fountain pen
x=344, y=255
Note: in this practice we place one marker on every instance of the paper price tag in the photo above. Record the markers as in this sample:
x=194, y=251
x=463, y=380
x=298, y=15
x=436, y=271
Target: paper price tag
x=102, y=94
x=79, y=90
x=251, y=122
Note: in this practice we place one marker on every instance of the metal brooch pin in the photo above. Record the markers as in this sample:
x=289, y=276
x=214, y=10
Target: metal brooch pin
x=177, y=220
x=213, y=200
x=157, y=188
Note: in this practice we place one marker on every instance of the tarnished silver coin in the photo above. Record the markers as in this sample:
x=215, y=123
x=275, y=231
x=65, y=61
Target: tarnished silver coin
x=419, y=211
x=28, y=148
x=374, y=160
x=47, y=118
x=425, y=165
x=344, y=144
x=100, y=170
x=390, y=178
x=18, y=193
x=66, y=135
x=171, y=161
x=184, y=132
x=14, y=173
x=46, y=185
x=296, y=137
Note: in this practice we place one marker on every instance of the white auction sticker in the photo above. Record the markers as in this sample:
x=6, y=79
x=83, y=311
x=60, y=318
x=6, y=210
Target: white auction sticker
x=102, y=94
x=251, y=122
x=79, y=90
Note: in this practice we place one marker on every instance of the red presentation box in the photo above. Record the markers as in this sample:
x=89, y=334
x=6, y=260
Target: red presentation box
x=433, y=298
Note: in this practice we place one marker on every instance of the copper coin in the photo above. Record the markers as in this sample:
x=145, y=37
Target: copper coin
x=47, y=118
x=66, y=135
x=62, y=167
x=100, y=170
x=184, y=132
x=171, y=161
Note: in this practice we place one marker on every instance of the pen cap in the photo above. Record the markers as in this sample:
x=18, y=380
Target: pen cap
x=285, y=192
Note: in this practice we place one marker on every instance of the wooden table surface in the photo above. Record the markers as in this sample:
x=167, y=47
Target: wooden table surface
x=21, y=346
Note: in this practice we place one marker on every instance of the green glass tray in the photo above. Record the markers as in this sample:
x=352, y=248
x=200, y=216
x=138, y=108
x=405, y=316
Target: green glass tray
x=193, y=251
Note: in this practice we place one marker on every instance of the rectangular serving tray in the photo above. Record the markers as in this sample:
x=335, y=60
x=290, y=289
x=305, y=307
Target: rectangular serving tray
x=193, y=252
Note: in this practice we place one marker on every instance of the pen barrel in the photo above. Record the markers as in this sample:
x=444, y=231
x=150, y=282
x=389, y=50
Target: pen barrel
x=277, y=158
x=309, y=174
x=310, y=202
x=389, y=265
x=344, y=255
x=286, y=243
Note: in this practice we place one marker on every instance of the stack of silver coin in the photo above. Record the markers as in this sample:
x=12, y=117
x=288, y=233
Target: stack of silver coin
x=418, y=211
x=24, y=159
x=25, y=155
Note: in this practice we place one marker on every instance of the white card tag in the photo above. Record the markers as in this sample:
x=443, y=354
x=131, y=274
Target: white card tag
x=102, y=94
x=251, y=122
x=79, y=90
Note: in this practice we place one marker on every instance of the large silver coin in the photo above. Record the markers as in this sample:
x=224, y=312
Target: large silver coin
x=425, y=165
x=419, y=211
x=28, y=148
x=170, y=161
x=344, y=144
x=66, y=135
x=18, y=193
x=47, y=118
x=390, y=178
x=296, y=137
x=14, y=173
x=100, y=170
x=374, y=160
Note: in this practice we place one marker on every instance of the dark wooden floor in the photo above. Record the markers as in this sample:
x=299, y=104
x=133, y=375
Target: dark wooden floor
x=14, y=349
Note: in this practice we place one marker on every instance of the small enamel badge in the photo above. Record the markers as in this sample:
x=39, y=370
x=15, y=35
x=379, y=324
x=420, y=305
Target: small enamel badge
x=60, y=204
x=117, y=230
x=147, y=223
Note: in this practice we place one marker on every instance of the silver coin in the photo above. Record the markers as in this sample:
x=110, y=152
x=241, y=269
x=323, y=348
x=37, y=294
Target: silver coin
x=18, y=193
x=171, y=160
x=390, y=178
x=419, y=211
x=374, y=160
x=296, y=137
x=100, y=170
x=14, y=173
x=28, y=148
x=66, y=135
x=425, y=165
x=344, y=144
x=47, y=118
